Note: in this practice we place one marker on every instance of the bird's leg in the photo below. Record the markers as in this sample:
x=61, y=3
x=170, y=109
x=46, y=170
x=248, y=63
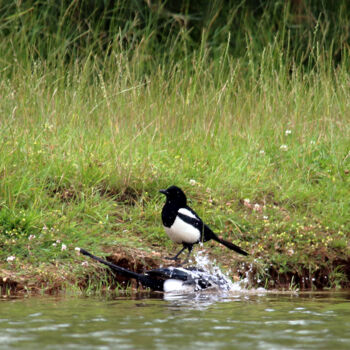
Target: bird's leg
x=176, y=256
x=188, y=254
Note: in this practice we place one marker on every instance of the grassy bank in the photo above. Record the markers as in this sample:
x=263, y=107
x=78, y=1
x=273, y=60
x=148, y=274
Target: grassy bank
x=82, y=162
x=259, y=145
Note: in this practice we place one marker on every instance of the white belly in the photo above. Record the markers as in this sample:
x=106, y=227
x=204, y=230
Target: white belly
x=181, y=232
x=177, y=286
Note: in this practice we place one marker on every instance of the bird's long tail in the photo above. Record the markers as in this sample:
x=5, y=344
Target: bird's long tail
x=113, y=267
x=144, y=279
x=229, y=245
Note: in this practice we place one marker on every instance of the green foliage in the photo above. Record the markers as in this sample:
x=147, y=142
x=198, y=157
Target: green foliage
x=101, y=108
x=153, y=33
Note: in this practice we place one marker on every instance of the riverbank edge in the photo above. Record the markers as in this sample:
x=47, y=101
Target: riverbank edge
x=83, y=275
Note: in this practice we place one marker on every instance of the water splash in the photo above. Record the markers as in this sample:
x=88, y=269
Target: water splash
x=222, y=280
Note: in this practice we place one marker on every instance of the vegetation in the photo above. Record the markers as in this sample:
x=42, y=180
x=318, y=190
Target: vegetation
x=98, y=114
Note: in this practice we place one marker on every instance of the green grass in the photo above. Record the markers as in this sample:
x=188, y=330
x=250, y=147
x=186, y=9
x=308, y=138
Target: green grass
x=86, y=146
x=82, y=163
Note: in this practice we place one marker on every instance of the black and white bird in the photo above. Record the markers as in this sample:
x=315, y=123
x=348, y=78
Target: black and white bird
x=184, y=226
x=170, y=279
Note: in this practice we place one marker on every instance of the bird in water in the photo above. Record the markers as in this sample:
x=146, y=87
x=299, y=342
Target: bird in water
x=170, y=279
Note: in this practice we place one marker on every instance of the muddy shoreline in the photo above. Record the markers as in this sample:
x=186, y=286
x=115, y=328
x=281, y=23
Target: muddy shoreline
x=54, y=279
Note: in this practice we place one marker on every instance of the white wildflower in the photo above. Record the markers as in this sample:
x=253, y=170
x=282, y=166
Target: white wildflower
x=85, y=264
x=265, y=217
x=262, y=152
x=288, y=132
x=246, y=203
x=54, y=244
x=290, y=252
x=257, y=207
x=193, y=182
x=64, y=247
x=284, y=147
x=11, y=258
x=31, y=237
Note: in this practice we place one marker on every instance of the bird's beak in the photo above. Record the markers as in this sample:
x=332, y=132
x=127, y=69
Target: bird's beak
x=163, y=191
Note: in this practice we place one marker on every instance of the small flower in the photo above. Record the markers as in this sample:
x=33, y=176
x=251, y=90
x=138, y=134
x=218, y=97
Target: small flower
x=262, y=152
x=312, y=142
x=64, y=247
x=284, y=147
x=192, y=182
x=85, y=264
x=31, y=237
x=265, y=217
x=54, y=244
x=246, y=203
x=10, y=258
x=44, y=228
x=288, y=132
x=58, y=241
x=257, y=207
x=290, y=252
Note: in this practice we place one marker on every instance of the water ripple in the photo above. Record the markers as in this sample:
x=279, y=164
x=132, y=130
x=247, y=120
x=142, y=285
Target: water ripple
x=252, y=322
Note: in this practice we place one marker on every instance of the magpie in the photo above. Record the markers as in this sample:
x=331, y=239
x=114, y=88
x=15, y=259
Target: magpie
x=169, y=279
x=184, y=226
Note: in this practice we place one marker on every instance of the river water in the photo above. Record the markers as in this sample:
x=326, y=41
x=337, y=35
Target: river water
x=244, y=320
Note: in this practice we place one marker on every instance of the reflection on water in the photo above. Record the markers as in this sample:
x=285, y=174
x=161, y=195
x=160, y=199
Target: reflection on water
x=198, y=321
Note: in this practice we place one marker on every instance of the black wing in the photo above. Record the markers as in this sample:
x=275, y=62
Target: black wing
x=191, y=276
x=206, y=233
x=170, y=272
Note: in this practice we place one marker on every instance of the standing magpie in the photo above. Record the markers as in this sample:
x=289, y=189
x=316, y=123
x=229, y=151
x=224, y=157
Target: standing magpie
x=184, y=226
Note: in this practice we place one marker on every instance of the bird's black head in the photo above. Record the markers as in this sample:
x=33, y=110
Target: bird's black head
x=175, y=194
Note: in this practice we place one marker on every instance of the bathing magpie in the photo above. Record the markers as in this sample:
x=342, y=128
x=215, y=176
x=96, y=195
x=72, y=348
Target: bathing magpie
x=184, y=226
x=170, y=279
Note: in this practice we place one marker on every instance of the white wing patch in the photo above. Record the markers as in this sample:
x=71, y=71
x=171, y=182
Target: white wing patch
x=182, y=232
x=186, y=212
x=175, y=286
